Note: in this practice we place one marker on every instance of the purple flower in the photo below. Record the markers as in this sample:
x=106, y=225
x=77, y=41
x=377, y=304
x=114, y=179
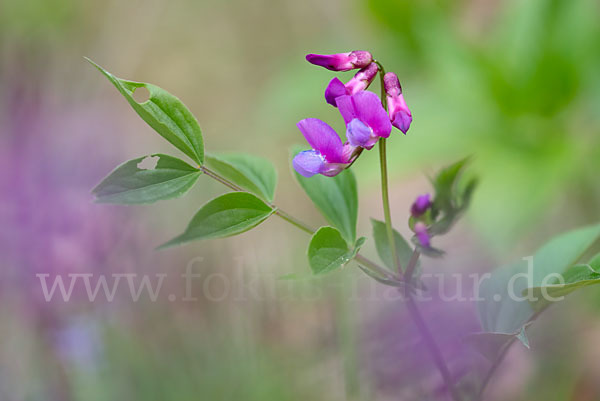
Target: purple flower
x=328, y=155
x=341, y=61
x=399, y=113
x=422, y=234
x=359, y=82
x=365, y=118
x=422, y=203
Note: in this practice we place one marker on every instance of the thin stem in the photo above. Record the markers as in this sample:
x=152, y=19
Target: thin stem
x=299, y=224
x=295, y=222
x=386, y=204
x=412, y=264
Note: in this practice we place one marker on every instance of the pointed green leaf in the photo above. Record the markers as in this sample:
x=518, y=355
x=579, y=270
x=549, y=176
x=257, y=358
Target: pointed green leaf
x=575, y=277
x=328, y=250
x=252, y=173
x=227, y=215
x=165, y=113
x=445, y=183
x=147, y=179
x=382, y=244
x=337, y=198
x=501, y=311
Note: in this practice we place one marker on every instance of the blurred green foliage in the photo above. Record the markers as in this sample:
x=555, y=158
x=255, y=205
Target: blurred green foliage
x=516, y=84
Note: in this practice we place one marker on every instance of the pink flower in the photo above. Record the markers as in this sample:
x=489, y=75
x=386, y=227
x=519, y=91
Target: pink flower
x=400, y=115
x=328, y=155
x=358, y=83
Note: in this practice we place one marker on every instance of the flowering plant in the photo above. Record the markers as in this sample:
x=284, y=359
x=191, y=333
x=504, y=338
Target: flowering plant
x=324, y=172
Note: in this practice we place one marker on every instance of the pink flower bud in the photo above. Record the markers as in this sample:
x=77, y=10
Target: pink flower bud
x=400, y=115
x=341, y=61
x=422, y=234
x=421, y=205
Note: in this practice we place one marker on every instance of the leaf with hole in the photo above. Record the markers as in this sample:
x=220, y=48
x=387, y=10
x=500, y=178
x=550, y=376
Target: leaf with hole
x=328, y=250
x=147, y=179
x=224, y=216
x=337, y=198
x=165, y=113
x=252, y=173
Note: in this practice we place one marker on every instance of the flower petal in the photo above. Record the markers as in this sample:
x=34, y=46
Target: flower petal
x=335, y=89
x=308, y=163
x=346, y=107
x=358, y=133
x=371, y=112
x=322, y=138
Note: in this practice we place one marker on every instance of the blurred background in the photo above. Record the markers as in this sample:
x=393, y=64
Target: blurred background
x=515, y=83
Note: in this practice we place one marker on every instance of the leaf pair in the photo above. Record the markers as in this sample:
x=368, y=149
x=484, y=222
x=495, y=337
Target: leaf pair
x=504, y=311
x=157, y=177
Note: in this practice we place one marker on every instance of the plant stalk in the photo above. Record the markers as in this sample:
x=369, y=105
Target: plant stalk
x=416, y=316
x=386, y=204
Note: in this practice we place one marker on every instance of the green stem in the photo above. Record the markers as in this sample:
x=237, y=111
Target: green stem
x=386, y=204
x=300, y=225
x=384, y=181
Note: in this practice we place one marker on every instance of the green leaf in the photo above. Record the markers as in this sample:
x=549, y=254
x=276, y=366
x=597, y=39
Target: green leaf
x=147, y=179
x=252, y=173
x=337, y=198
x=575, y=277
x=227, y=215
x=501, y=311
x=328, y=250
x=165, y=113
x=382, y=244
x=445, y=184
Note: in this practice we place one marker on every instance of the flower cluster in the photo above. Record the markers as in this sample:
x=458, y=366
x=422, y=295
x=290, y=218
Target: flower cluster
x=365, y=117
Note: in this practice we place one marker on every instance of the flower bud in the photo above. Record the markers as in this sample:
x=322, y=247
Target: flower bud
x=359, y=82
x=421, y=204
x=422, y=234
x=398, y=111
x=341, y=61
